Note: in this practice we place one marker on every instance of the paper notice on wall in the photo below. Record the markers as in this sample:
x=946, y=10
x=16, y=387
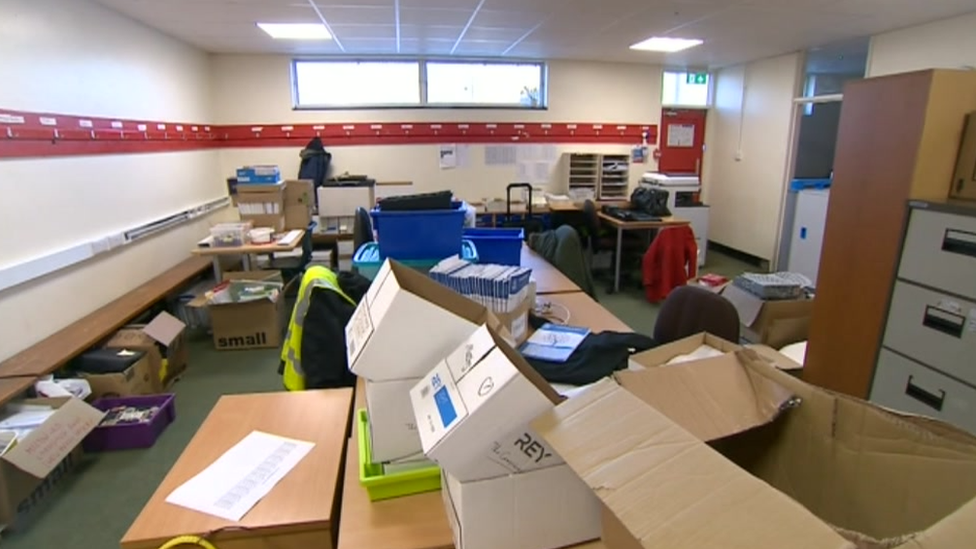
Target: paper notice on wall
x=463, y=156
x=500, y=155
x=681, y=135
x=523, y=172
x=448, y=156
x=541, y=171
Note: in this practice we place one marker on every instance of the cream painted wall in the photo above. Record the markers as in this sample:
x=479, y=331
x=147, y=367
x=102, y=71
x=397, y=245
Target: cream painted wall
x=947, y=44
x=76, y=57
x=578, y=92
x=748, y=140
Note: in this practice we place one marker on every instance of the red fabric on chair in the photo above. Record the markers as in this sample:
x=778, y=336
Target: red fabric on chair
x=670, y=262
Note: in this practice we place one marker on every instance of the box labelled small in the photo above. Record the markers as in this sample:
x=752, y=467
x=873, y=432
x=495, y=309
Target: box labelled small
x=128, y=436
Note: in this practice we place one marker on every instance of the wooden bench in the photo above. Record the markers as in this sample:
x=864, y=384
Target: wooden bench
x=18, y=372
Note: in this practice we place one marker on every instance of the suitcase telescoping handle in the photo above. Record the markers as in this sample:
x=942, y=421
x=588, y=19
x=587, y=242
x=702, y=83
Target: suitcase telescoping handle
x=508, y=196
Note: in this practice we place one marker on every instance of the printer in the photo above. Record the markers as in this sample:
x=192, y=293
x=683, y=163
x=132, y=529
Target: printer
x=684, y=201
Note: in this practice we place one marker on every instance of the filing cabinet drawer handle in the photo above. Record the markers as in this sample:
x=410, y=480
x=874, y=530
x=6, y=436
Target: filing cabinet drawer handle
x=944, y=321
x=959, y=242
x=929, y=399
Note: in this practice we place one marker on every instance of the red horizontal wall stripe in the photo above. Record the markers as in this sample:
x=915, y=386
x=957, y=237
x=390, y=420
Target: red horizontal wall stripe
x=27, y=134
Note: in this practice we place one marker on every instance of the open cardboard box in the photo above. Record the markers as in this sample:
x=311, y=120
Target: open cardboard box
x=31, y=469
x=165, y=331
x=663, y=354
x=776, y=323
x=789, y=464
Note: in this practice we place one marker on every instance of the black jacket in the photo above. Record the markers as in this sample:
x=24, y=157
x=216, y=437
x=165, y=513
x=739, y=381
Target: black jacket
x=316, y=162
x=324, y=334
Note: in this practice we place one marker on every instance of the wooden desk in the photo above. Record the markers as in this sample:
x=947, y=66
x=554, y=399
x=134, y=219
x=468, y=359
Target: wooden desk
x=622, y=226
x=585, y=312
x=548, y=279
x=246, y=251
x=331, y=242
x=410, y=522
x=298, y=513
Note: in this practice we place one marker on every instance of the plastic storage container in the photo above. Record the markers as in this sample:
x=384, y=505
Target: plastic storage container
x=368, y=259
x=133, y=435
x=419, y=234
x=497, y=246
x=380, y=485
x=230, y=235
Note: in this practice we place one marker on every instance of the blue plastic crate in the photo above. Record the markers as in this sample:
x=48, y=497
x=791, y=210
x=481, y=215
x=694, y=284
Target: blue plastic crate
x=497, y=246
x=419, y=234
x=368, y=259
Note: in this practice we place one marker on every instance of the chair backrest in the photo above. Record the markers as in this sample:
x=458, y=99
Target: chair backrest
x=592, y=226
x=362, y=229
x=689, y=310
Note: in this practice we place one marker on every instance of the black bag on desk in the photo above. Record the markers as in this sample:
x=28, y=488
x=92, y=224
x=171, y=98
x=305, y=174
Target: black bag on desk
x=650, y=201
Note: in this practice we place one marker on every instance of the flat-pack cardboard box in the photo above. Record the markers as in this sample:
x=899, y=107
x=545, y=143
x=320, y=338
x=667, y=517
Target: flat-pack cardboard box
x=31, y=470
x=789, y=465
x=299, y=203
x=776, y=323
x=516, y=321
x=137, y=379
x=406, y=324
x=164, y=342
x=392, y=428
x=472, y=411
x=252, y=325
x=542, y=509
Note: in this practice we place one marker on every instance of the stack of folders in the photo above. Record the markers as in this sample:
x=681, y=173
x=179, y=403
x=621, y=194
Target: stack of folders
x=501, y=288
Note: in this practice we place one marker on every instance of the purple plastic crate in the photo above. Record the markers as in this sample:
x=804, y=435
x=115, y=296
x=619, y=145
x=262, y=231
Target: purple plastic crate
x=133, y=435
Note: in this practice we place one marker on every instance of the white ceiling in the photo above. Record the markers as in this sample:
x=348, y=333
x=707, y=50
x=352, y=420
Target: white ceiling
x=734, y=30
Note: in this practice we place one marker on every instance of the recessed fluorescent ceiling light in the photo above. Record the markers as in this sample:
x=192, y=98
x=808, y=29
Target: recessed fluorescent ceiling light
x=667, y=45
x=296, y=31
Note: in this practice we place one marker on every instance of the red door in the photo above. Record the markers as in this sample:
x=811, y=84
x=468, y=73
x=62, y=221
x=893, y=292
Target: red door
x=682, y=141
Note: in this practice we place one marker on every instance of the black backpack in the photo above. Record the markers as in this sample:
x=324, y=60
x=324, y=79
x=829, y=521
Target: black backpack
x=650, y=201
x=316, y=162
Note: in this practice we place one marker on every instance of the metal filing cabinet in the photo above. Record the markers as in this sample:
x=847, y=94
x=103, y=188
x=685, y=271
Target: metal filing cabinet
x=927, y=363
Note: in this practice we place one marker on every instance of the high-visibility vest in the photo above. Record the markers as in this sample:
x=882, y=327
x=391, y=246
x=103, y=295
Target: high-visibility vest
x=291, y=353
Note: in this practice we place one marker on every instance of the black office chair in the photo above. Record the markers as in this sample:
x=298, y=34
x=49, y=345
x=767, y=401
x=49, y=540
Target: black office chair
x=689, y=310
x=362, y=229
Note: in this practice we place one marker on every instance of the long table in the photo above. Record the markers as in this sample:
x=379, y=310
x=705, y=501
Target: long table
x=419, y=521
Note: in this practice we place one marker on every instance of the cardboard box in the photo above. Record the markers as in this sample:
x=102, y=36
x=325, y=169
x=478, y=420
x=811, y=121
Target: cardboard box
x=776, y=323
x=659, y=356
x=392, y=429
x=406, y=324
x=817, y=470
x=30, y=471
x=137, y=379
x=252, y=325
x=299, y=203
x=541, y=509
x=259, y=174
x=262, y=205
x=473, y=409
x=516, y=321
x=164, y=342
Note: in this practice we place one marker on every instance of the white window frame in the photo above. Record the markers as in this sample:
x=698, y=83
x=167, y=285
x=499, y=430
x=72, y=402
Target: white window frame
x=710, y=93
x=423, y=104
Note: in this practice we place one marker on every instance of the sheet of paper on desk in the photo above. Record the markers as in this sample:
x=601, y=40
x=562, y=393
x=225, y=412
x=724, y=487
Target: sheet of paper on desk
x=238, y=479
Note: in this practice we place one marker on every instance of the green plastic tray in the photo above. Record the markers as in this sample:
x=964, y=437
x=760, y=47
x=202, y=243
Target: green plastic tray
x=386, y=486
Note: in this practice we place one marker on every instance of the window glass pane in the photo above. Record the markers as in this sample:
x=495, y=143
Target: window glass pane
x=352, y=83
x=685, y=89
x=829, y=67
x=485, y=84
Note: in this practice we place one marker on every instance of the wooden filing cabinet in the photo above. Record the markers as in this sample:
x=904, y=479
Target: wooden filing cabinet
x=927, y=362
x=898, y=140
x=964, y=184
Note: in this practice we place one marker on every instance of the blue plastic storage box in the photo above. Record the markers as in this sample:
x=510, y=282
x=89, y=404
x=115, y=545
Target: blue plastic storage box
x=368, y=259
x=258, y=174
x=419, y=234
x=497, y=246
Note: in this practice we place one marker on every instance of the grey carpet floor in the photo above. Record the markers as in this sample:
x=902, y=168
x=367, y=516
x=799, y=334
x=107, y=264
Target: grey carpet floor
x=94, y=507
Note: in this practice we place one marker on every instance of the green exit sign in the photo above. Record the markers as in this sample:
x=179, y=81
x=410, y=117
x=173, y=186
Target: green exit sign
x=697, y=78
